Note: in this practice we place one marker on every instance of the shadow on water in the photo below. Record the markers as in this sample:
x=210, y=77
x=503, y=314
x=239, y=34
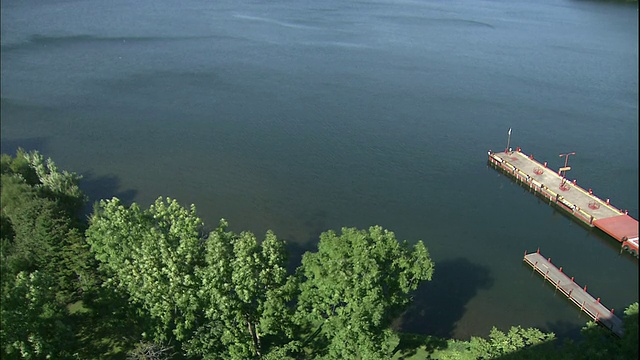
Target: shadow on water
x=104, y=187
x=38, y=41
x=10, y=146
x=567, y=330
x=314, y=225
x=295, y=250
x=438, y=304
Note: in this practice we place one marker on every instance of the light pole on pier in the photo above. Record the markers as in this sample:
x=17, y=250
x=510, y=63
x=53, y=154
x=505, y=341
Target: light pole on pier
x=563, y=170
x=508, y=140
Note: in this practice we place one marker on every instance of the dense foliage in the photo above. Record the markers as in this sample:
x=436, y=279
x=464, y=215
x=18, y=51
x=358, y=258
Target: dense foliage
x=46, y=264
x=355, y=285
x=154, y=284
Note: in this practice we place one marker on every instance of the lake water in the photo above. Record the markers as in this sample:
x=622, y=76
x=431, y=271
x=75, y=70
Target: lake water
x=302, y=116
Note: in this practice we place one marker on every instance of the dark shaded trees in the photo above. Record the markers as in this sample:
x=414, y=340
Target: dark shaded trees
x=45, y=262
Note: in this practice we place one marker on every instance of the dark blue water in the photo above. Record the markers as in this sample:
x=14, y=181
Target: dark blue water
x=303, y=116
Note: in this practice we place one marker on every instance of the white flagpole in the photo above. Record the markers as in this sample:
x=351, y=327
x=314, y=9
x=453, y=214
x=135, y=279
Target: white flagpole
x=508, y=140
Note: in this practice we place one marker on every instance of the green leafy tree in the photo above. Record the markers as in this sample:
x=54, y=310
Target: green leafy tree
x=600, y=343
x=220, y=296
x=353, y=287
x=596, y=343
x=246, y=290
x=33, y=325
x=517, y=343
x=20, y=166
x=152, y=255
x=42, y=176
x=629, y=343
x=517, y=338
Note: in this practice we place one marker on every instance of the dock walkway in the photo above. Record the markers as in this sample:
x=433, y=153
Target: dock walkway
x=582, y=204
x=578, y=295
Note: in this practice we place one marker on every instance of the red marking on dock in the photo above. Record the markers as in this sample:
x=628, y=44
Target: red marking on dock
x=578, y=295
x=620, y=227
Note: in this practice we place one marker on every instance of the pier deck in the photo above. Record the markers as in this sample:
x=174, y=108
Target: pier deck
x=582, y=204
x=578, y=295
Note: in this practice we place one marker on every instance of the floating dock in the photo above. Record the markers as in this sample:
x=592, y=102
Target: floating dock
x=579, y=203
x=578, y=295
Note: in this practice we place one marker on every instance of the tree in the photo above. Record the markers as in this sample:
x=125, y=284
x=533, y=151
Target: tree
x=43, y=177
x=145, y=350
x=354, y=286
x=42, y=237
x=19, y=166
x=33, y=325
x=152, y=255
x=245, y=290
x=500, y=344
x=45, y=265
x=220, y=295
x=629, y=343
x=599, y=343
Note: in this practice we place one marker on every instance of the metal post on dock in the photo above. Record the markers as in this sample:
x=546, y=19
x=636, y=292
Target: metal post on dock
x=508, y=140
x=563, y=170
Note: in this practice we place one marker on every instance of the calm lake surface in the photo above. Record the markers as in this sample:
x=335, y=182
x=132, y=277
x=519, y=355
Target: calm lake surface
x=303, y=116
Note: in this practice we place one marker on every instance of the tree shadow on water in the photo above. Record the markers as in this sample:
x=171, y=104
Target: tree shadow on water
x=314, y=225
x=104, y=187
x=295, y=250
x=10, y=146
x=567, y=330
x=438, y=304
